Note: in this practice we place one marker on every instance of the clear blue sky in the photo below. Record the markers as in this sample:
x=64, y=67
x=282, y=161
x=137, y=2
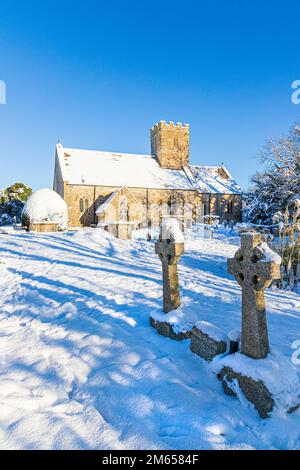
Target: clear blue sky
x=99, y=74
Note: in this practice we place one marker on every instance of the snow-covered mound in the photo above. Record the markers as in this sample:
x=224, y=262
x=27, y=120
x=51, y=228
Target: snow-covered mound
x=46, y=205
x=170, y=230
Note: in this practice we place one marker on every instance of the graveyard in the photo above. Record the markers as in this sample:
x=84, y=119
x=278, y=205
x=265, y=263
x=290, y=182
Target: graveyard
x=125, y=344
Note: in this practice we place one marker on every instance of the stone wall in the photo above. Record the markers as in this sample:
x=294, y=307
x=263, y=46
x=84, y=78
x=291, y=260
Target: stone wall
x=43, y=227
x=96, y=195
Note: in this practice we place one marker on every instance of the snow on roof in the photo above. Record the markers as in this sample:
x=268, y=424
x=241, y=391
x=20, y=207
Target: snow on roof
x=90, y=167
x=209, y=179
x=118, y=169
x=106, y=203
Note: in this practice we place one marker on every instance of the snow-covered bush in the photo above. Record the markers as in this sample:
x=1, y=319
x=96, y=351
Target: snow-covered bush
x=45, y=205
x=273, y=188
x=12, y=201
x=288, y=245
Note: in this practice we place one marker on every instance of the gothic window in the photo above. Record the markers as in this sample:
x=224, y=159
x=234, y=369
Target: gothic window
x=83, y=204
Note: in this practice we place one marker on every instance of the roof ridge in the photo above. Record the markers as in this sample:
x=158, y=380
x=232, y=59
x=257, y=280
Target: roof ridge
x=105, y=152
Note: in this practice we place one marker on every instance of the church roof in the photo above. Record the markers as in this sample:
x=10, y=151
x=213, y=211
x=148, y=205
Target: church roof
x=214, y=179
x=89, y=167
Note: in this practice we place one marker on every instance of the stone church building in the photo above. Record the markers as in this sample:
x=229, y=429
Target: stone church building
x=105, y=187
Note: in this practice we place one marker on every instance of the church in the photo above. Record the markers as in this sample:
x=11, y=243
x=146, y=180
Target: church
x=101, y=188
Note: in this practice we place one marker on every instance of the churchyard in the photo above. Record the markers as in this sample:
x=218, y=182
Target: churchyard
x=115, y=344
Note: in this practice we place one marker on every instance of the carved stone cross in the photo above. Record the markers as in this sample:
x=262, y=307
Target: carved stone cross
x=169, y=253
x=254, y=272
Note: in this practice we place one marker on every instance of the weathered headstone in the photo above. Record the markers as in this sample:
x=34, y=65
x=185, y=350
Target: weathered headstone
x=254, y=269
x=169, y=252
x=254, y=266
x=170, y=248
x=208, y=341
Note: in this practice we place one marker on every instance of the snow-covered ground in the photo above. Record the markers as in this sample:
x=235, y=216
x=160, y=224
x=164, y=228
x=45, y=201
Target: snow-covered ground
x=81, y=368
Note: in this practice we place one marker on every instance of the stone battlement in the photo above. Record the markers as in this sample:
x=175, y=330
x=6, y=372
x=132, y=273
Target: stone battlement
x=170, y=144
x=171, y=124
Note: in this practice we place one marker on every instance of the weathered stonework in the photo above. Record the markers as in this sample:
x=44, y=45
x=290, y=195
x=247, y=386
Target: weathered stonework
x=121, y=230
x=254, y=266
x=169, y=254
x=43, y=227
x=205, y=346
x=170, y=144
x=166, y=329
x=255, y=391
x=151, y=199
x=254, y=273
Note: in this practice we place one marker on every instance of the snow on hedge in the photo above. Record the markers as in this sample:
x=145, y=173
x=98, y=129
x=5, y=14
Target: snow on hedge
x=46, y=205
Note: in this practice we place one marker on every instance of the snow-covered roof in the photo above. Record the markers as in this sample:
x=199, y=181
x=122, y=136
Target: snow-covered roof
x=214, y=179
x=118, y=169
x=95, y=168
x=106, y=203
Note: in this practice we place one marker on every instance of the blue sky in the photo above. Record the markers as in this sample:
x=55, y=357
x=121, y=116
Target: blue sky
x=99, y=74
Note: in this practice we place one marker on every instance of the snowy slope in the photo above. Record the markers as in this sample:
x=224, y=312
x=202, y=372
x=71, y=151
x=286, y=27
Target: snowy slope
x=81, y=368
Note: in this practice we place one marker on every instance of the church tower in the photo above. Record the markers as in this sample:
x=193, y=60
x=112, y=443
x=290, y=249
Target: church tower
x=170, y=144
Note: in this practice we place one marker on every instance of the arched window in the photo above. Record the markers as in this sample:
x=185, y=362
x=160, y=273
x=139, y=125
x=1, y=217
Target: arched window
x=83, y=204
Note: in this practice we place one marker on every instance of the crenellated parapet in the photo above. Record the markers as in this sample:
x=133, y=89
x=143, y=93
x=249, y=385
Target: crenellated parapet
x=170, y=144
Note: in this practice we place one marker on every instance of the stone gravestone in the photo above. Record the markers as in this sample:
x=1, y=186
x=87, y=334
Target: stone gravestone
x=169, y=248
x=207, y=340
x=170, y=251
x=254, y=271
x=254, y=266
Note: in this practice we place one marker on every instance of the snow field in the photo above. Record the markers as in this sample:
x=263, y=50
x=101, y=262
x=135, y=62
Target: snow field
x=81, y=367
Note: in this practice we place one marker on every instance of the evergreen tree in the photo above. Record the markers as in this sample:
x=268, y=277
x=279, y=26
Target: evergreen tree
x=12, y=201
